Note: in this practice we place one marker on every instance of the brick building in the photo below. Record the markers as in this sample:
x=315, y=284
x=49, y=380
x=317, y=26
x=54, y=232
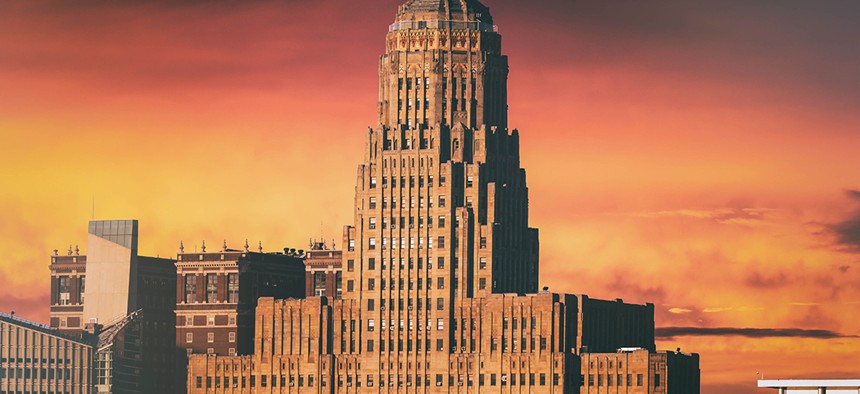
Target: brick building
x=68, y=282
x=217, y=292
x=324, y=271
x=440, y=286
x=111, y=282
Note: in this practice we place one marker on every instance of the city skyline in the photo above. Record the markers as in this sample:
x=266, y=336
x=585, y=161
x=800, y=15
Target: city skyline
x=722, y=196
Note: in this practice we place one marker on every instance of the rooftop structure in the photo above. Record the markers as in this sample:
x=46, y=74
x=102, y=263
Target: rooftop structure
x=829, y=386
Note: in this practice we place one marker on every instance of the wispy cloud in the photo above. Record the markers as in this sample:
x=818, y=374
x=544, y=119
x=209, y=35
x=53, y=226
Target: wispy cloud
x=740, y=216
x=671, y=332
x=680, y=311
x=720, y=309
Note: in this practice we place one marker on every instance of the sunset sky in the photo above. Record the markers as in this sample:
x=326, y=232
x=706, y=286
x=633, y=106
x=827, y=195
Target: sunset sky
x=703, y=156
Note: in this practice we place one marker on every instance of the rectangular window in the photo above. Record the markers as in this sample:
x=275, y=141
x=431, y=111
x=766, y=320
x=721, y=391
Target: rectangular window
x=210, y=337
x=350, y=286
x=371, y=284
x=440, y=283
x=440, y=324
x=441, y=222
x=190, y=288
x=373, y=182
x=371, y=304
x=639, y=379
x=371, y=263
x=441, y=242
x=441, y=201
x=483, y=263
x=371, y=224
x=233, y=288
x=482, y=283
x=65, y=290
x=469, y=181
x=440, y=263
x=371, y=243
x=232, y=337
x=212, y=288
x=189, y=337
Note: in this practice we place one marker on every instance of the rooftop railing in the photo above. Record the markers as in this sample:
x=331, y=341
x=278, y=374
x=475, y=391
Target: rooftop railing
x=447, y=25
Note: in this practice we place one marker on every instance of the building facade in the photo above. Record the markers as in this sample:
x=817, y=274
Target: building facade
x=440, y=286
x=120, y=283
x=35, y=358
x=639, y=371
x=68, y=283
x=217, y=293
x=324, y=271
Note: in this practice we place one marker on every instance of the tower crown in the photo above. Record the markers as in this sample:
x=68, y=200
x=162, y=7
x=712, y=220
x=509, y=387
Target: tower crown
x=444, y=10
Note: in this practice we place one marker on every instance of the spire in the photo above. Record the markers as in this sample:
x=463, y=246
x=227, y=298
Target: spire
x=260, y=246
x=224, y=247
x=246, y=245
x=203, y=247
x=181, y=247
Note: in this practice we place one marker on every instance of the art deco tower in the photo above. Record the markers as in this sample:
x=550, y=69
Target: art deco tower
x=441, y=206
x=440, y=269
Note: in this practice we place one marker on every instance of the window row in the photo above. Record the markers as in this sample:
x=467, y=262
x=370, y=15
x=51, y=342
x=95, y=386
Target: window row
x=607, y=380
x=372, y=203
x=404, y=222
x=210, y=283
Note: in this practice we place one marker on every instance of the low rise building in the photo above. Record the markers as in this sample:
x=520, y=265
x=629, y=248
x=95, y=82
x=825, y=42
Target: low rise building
x=35, y=358
x=829, y=386
x=525, y=342
x=217, y=292
x=639, y=371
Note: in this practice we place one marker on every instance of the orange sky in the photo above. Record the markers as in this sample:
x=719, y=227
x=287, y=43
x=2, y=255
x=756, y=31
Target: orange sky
x=702, y=157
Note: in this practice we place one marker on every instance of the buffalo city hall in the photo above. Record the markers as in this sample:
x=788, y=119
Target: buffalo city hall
x=440, y=269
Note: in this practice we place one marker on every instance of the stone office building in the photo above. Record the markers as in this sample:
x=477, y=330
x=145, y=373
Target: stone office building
x=35, y=358
x=217, y=292
x=440, y=290
x=639, y=371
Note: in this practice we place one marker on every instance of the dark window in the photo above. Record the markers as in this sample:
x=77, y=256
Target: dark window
x=212, y=288
x=190, y=289
x=233, y=288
